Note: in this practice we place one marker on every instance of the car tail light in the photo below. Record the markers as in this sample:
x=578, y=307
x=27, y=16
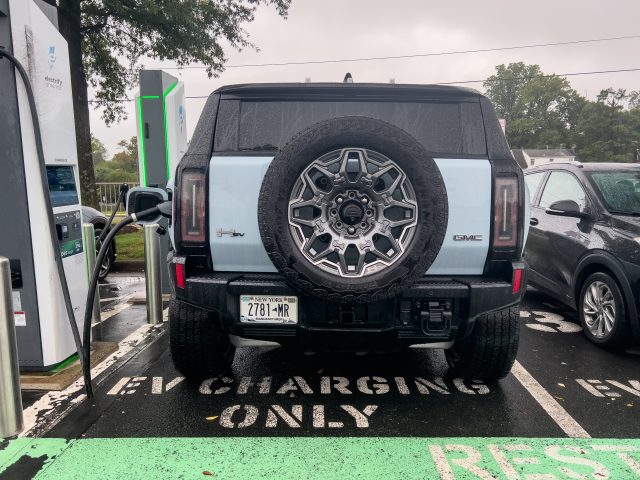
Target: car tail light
x=505, y=207
x=180, y=275
x=516, y=282
x=192, y=207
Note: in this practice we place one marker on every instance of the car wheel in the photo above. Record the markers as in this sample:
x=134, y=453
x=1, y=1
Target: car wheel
x=199, y=344
x=602, y=311
x=488, y=353
x=109, y=258
x=353, y=210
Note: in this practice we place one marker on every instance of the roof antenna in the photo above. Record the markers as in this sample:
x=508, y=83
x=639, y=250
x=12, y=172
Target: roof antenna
x=348, y=78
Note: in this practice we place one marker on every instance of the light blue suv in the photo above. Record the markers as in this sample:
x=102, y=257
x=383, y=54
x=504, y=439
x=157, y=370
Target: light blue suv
x=347, y=217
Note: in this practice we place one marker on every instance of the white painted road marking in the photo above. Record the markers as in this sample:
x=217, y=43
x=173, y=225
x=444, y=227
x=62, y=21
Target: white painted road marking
x=369, y=385
x=597, y=388
x=243, y=416
x=550, y=405
x=555, y=460
x=45, y=412
x=115, y=310
x=550, y=322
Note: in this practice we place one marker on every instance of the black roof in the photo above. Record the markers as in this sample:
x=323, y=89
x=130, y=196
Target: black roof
x=348, y=89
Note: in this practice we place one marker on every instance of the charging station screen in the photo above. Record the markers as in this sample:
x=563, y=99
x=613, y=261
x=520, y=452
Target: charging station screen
x=62, y=186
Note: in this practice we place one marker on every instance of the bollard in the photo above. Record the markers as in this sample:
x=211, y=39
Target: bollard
x=153, y=275
x=11, y=422
x=89, y=240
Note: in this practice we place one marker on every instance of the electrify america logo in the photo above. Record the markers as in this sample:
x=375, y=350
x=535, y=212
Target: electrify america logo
x=181, y=117
x=52, y=82
x=52, y=57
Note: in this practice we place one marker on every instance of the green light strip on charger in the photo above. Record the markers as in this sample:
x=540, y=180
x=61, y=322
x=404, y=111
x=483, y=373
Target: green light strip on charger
x=166, y=128
x=143, y=159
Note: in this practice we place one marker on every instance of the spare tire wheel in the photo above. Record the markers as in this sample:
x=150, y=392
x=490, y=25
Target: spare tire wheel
x=353, y=209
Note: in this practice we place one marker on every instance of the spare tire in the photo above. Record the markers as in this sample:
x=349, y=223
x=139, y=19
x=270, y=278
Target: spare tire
x=353, y=210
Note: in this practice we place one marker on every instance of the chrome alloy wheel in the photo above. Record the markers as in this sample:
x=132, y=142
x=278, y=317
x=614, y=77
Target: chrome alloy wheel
x=353, y=212
x=599, y=309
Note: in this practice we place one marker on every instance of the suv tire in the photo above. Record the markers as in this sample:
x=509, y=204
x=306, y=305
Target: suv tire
x=200, y=347
x=488, y=353
x=603, y=285
x=371, y=136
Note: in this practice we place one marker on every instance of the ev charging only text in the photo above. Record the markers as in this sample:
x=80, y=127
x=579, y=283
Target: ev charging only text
x=292, y=413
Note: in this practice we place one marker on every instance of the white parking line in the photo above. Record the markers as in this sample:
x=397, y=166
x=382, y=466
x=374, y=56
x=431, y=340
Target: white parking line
x=47, y=411
x=115, y=310
x=550, y=405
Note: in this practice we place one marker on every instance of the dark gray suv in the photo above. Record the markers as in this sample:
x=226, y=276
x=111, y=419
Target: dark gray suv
x=584, y=243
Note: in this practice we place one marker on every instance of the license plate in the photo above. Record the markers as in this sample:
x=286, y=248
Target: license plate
x=268, y=309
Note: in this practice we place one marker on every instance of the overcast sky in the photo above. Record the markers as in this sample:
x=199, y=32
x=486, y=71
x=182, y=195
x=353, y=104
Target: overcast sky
x=333, y=29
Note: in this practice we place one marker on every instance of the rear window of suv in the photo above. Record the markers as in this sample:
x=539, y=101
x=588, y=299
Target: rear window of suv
x=262, y=125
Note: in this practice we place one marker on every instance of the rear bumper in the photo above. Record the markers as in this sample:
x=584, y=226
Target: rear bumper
x=433, y=311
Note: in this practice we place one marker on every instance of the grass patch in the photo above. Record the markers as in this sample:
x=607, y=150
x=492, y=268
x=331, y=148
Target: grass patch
x=130, y=246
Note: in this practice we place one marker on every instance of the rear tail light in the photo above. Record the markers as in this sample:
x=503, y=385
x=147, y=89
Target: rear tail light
x=516, y=282
x=180, y=275
x=192, y=207
x=505, y=207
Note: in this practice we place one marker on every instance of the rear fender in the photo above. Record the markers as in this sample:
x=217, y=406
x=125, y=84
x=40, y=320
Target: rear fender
x=589, y=263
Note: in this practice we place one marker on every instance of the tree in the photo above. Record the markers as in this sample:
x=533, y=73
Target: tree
x=608, y=131
x=127, y=158
x=539, y=109
x=108, y=39
x=98, y=150
x=123, y=167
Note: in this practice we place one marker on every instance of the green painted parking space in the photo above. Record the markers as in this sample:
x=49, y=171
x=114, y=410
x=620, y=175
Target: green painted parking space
x=324, y=458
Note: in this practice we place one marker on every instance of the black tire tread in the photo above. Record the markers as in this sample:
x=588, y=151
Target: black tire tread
x=199, y=345
x=490, y=351
x=421, y=260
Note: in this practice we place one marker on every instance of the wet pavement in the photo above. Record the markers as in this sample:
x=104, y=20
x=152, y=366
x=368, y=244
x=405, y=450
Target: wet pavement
x=285, y=393
x=118, y=319
x=563, y=393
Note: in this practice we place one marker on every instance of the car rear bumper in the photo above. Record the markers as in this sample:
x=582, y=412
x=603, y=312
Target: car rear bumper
x=434, y=310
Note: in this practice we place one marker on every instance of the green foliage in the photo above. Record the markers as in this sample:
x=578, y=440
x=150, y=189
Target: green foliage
x=543, y=110
x=539, y=109
x=118, y=34
x=123, y=167
x=98, y=151
x=606, y=130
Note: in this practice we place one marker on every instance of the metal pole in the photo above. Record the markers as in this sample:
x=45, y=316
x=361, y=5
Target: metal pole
x=11, y=422
x=89, y=240
x=153, y=274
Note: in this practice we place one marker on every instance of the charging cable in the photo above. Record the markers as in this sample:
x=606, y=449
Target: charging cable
x=44, y=184
x=163, y=209
x=83, y=346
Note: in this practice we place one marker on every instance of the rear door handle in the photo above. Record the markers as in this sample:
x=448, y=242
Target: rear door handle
x=533, y=222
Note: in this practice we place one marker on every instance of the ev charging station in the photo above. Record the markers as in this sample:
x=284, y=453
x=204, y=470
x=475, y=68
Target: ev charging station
x=162, y=136
x=28, y=30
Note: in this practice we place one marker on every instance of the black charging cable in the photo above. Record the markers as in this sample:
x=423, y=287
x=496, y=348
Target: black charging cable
x=163, y=209
x=49, y=209
x=124, y=189
x=83, y=346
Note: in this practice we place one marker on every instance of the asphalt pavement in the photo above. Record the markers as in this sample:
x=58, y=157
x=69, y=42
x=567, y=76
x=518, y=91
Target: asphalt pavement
x=567, y=409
